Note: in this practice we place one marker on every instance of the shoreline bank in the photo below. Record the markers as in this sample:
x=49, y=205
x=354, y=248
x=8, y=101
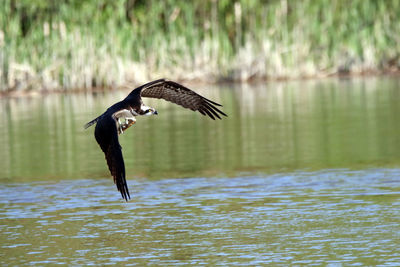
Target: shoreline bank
x=201, y=82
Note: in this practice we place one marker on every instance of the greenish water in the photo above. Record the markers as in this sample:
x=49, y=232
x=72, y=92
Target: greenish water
x=303, y=173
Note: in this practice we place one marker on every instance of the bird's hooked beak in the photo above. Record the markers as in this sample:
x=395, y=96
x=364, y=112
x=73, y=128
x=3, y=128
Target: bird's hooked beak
x=155, y=112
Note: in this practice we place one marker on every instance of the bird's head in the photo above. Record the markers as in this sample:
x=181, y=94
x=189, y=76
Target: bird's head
x=147, y=111
x=151, y=111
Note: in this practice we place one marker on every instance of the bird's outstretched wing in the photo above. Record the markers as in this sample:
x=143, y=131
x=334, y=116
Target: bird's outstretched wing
x=179, y=94
x=107, y=136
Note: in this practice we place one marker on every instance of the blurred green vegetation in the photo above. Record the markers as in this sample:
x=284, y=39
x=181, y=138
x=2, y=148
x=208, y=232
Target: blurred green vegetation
x=83, y=44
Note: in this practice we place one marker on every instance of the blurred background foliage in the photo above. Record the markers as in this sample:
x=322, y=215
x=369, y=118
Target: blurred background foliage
x=76, y=44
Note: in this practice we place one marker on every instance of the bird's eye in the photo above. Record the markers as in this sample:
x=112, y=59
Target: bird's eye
x=147, y=111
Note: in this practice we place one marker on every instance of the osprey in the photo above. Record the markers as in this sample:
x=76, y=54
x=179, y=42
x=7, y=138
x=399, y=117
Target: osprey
x=120, y=116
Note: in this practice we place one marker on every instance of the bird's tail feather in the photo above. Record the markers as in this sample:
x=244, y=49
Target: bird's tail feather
x=90, y=123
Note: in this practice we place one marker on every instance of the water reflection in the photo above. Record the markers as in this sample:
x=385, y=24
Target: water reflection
x=270, y=128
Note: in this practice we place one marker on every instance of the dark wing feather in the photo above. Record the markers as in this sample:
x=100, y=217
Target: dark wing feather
x=181, y=95
x=107, y=136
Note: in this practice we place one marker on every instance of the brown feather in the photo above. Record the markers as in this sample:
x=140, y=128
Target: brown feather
x=180, y=95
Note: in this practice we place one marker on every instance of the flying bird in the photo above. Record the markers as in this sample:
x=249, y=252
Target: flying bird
x=122, y=115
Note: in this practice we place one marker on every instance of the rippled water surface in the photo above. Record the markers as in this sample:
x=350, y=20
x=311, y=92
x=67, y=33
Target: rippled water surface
x=303, y=173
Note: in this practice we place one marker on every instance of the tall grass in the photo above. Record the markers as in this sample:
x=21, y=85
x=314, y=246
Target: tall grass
x=72, y=44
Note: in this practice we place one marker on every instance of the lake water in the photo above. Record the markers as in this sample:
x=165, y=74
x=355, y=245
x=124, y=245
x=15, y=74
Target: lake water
x=300, y=173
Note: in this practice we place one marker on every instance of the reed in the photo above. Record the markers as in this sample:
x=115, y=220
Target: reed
x=85, y=44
